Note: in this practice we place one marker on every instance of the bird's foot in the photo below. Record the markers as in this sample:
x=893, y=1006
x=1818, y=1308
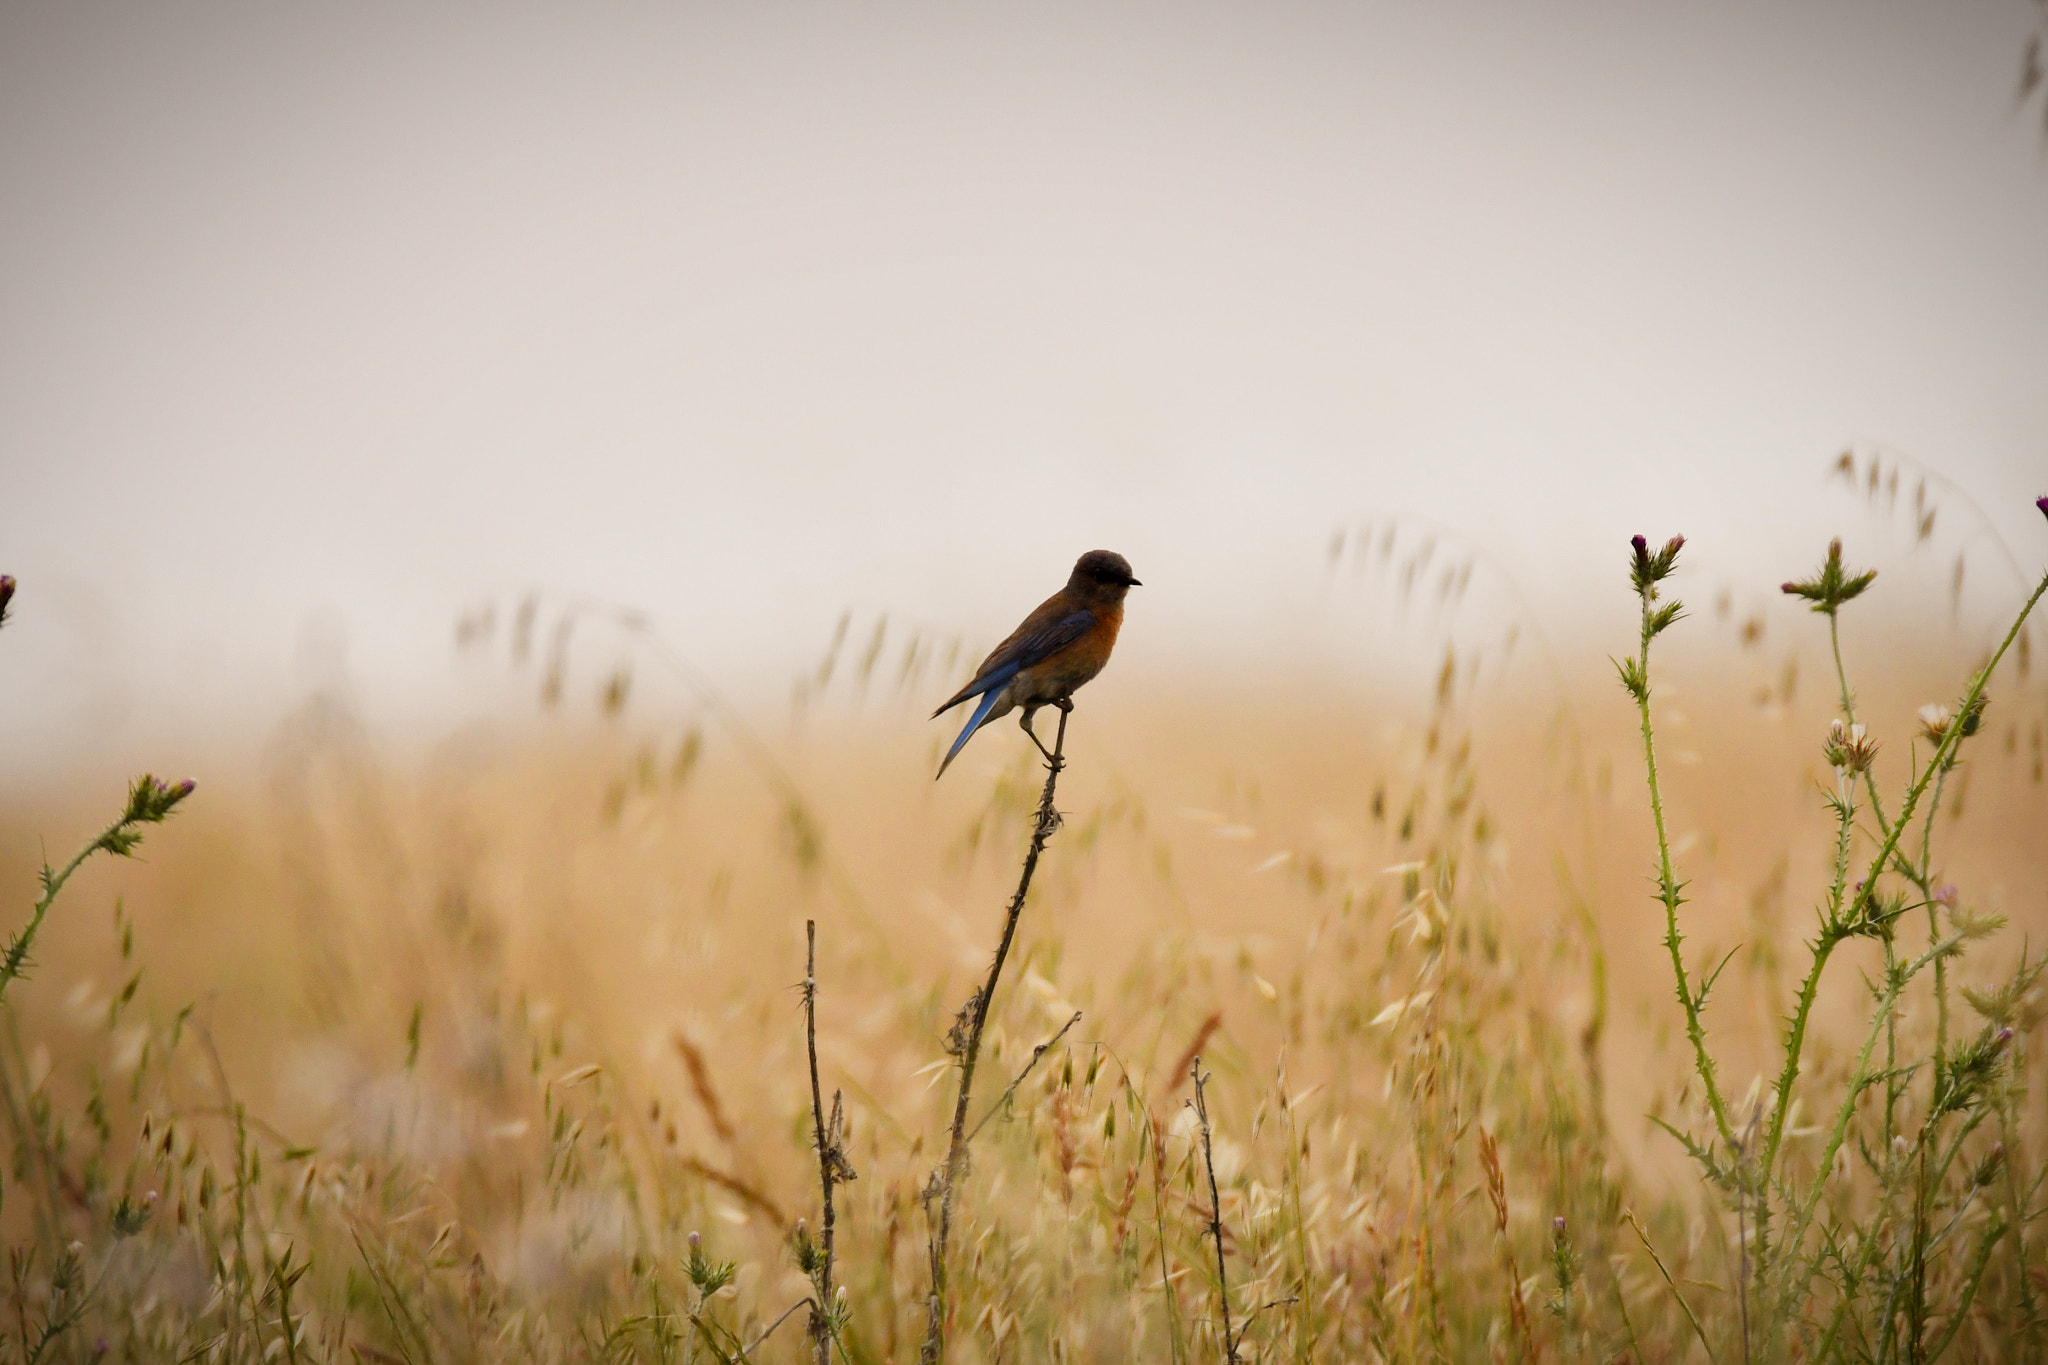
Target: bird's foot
x=1024, y=723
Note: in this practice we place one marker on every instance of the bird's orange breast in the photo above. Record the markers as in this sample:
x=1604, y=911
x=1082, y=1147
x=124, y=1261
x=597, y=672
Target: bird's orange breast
x=1059, y=675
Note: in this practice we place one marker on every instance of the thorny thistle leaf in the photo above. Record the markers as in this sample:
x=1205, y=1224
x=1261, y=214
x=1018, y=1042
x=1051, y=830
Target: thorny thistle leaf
x=1974, y=924
x=707, y=1275
x=809, y=1255
x=1879, y=914
x=1831, y=585
x=1633, y=680
x=2016, y=1004
x=1707, y=980
x=1661, y=619
x=1962, y=1077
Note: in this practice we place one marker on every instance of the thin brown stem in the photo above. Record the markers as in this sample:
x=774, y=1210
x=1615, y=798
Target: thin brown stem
x=1036, y=1053
x=1201, y=1104
x=830, y=1159
x=965, y=1043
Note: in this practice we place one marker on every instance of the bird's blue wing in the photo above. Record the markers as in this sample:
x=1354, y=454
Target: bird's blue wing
x=1030, y=645
x=1049, y=639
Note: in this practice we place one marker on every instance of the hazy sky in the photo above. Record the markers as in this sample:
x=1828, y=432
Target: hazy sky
x=320, y=320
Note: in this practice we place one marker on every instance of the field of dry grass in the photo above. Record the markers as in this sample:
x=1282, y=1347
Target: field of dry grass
x=495, y=1052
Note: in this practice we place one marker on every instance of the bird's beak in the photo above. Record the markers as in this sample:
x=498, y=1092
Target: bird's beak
x=1132, y=583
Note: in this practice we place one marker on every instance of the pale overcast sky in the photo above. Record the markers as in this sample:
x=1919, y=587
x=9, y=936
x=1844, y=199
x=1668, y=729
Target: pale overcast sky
x=328, y=318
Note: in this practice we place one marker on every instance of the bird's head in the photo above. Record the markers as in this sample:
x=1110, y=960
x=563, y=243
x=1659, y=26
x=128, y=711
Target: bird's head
x=1101, y=576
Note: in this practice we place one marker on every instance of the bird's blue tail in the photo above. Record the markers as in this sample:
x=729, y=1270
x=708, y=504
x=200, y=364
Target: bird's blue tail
x=974, y=722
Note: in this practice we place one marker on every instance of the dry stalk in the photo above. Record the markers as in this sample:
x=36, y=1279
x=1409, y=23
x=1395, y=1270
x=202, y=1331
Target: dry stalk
x=833, y=1166
x=1497, y=1195
x=1201, y=1105
x=1036, y=1053
x=964, y=1042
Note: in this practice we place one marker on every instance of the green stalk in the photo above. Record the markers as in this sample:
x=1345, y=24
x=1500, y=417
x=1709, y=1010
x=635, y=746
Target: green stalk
x=1809, y=990
x=1859, y=1078
x=1667, y=888
x=1892, y=1091
x=1867, y=1250
x=1933, y=918
x=2008, y=1133
x=53, y=882
x=149, y=801
x=1796, y=1035
x=1841, y=674
x=1972, y=1280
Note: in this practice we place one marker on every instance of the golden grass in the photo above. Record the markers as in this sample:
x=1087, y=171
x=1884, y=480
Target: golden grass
x=482, y=1036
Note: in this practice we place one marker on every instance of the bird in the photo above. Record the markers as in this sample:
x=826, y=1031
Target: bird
x=1060, y=646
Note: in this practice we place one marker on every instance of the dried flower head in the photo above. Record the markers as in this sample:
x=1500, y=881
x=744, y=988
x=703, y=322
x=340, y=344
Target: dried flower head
x=1934, y=721
x=1848, y=748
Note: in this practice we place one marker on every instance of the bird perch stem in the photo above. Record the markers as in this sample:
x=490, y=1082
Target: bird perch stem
x=965, y=1043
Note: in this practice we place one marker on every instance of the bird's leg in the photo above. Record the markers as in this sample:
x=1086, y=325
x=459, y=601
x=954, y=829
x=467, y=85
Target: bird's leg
x=1024, y=723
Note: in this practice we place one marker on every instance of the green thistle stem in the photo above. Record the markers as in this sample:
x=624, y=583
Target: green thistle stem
x=1944, y=757
x=1667, y=888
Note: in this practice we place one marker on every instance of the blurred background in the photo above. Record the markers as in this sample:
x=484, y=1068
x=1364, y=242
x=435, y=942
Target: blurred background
x=320, y=325
x=537, y=466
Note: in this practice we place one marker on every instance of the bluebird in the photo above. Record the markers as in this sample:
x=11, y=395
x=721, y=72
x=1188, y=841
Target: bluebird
x=1060, y=646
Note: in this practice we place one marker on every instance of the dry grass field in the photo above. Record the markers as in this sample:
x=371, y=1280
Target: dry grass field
x=497, y=1051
